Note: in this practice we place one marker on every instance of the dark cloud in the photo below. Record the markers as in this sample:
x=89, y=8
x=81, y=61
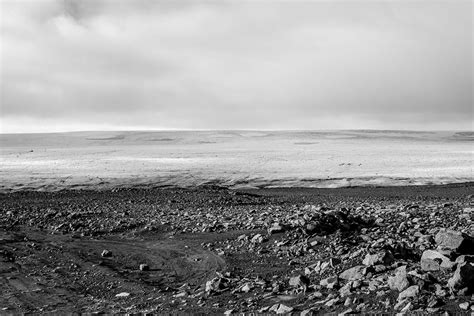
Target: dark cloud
x=116, y=64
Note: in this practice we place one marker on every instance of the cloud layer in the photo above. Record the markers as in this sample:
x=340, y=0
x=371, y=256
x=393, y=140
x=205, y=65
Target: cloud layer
x=117, y=64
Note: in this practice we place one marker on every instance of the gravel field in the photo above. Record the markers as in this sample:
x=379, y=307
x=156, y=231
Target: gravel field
x=211, y=250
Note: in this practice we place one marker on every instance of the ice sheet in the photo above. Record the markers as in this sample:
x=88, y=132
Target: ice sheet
x=101, y=160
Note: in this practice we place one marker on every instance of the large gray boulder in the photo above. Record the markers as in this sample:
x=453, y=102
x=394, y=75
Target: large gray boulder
x=384, y=257
x=432, y=260
x=399, y=281
x=456, y=241
x=464, y=274
x=354, y=273
x=410, y=292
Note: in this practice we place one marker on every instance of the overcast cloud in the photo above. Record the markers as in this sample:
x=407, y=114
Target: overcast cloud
x=116, y=64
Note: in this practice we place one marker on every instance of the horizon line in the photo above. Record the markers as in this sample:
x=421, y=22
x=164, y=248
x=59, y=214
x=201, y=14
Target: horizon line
x=238, y=130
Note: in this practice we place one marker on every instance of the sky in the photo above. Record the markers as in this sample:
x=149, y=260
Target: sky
x=71, y=65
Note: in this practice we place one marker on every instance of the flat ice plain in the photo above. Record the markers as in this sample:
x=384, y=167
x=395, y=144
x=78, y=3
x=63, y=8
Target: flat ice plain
x=235, y=159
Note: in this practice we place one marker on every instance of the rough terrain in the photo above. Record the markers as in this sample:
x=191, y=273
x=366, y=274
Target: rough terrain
x=213, y=250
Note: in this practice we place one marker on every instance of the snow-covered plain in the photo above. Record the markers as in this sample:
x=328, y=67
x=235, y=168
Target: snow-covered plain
x=102, y=160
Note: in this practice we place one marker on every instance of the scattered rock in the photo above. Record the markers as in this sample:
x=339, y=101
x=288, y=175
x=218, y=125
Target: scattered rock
x=257, y=239
x=384, y=257
x=276, y=228
x=330, y=282
x=299, y=281
x=280, y=309
x=246, y=288
x=464, y=306
x=308, y=312
x=354, y=273
x=464, y=274
x=332, y=302
x=410, y=292
x=456, y=241
x=399, y=282
x=432, y=260
x=394, y=239
x=144, y=267
x=123, y=294
x=106, y=253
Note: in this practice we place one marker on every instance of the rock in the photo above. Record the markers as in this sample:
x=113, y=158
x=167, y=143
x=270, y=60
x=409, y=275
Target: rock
x=464, y=306
x=308, y=312
x=345, y=290
x=399, y=281
x=384, y=257
x=283, y=309
x=440, y=291
x=106, y=253
x=331, y=302
x=178, y=295
x=464, y=274
x=246, y=288
x=280, y=309
x=310, y=228
x=330, y=282
x=216, y=285
x=144, y=267
x=354, y=273
x=123, y=294
x=348, y=301
x=410, y=292
x=324, y=265
x=457, y=241
x=361, y=307
x=257, y=239
x=299, y=281
x=434, y=302
x=374, y=285
x=399, y=305
x=406, y=308
x=276, y=228
x=432, y=260
x=315, y=295
x=468, y=210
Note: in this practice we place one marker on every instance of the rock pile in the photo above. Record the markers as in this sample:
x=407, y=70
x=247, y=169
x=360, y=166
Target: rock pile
x=362, y=260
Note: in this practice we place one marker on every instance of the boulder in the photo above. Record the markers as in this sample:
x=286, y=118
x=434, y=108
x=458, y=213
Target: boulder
x=399, y=281
x=384, y=257
x=464, y=306
x=346, y=290
x=354, y=273
x=122, y=294
x=257, y=239
x=299, y=280
x=456, y=241
x=330, y=282
x=277, y=228
x=106, y=253
x=432, y=260
x=144, y=267
x=464, y=274
x=281, y=309
x=409, y=292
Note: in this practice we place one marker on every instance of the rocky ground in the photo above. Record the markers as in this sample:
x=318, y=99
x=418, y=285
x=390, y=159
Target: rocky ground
x=214, y=251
